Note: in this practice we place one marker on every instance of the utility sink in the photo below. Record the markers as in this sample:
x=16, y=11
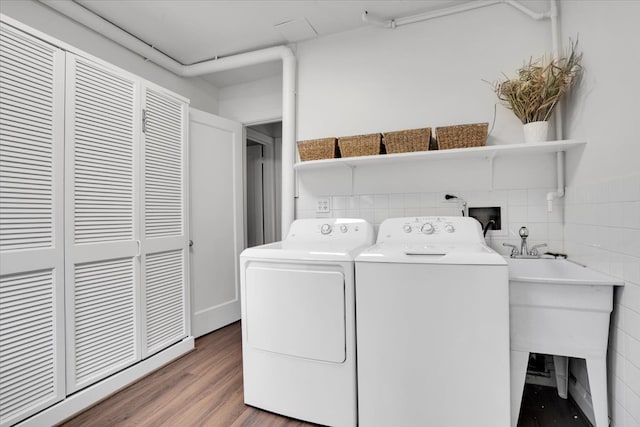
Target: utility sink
x=560, y=308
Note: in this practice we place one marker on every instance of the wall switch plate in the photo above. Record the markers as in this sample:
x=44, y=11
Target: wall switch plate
x=323, y=206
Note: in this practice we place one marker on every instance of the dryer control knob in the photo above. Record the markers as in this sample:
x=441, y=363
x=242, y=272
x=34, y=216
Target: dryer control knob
x=344, y=228
x=449, y=228
x=325, y=229
x=407, y=228
x=428, y=228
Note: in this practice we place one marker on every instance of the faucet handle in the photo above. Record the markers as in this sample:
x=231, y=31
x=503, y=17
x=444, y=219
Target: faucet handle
x=523, y=232
x=514, y=249
x=534, y=249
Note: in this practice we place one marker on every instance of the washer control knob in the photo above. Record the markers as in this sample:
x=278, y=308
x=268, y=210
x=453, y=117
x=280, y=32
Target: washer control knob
x=325, y=229
x=449, y=228
x=427, y=228
x=344, y=228
x=407, y=228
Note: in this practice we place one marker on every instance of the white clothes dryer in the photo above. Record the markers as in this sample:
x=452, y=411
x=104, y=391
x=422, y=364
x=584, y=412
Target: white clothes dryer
x=432, y=314
x=298, y=321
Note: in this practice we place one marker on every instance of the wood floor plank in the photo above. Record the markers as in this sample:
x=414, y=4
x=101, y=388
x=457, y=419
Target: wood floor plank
x=203, y=388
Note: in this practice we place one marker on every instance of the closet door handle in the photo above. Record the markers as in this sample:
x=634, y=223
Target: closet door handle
x=190, y=243
x=139, y=244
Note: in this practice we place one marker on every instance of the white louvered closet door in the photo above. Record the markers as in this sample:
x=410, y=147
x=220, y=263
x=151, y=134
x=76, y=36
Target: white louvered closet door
x=164, y=238
x=31, y=229
x=102, y=263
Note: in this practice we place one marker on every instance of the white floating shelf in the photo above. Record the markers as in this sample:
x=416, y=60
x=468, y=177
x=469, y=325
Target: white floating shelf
x=487, y=152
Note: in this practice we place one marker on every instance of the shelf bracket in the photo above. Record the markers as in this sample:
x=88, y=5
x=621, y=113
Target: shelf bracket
x=491, y=157
x=351, y=169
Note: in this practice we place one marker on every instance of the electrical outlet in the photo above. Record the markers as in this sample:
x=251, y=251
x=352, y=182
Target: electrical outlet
x=324, y=206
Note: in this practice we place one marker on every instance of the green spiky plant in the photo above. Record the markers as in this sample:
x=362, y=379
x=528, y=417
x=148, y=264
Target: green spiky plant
x=540, y=85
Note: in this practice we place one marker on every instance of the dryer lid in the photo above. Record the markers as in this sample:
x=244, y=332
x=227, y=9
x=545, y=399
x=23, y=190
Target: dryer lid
x=337, y=239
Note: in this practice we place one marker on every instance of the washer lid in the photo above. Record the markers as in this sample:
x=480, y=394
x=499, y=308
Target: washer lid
x=418, y=253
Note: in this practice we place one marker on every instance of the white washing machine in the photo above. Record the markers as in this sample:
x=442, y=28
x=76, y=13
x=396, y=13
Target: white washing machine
x=298, y=321
x=432, y=309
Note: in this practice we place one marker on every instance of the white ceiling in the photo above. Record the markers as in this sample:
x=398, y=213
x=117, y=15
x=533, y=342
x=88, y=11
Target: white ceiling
x=192, y=31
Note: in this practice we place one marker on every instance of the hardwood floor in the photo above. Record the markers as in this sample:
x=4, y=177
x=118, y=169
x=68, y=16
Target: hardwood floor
x=204, y=388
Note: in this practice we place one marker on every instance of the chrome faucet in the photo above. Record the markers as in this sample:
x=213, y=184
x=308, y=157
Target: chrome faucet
x=524, y=251
x=524, y=233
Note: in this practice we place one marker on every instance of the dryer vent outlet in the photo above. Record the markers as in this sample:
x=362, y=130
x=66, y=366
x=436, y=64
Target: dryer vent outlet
x=486, y=214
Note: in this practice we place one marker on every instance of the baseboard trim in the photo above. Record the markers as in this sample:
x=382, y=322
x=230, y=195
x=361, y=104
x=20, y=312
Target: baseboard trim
x=95, y=393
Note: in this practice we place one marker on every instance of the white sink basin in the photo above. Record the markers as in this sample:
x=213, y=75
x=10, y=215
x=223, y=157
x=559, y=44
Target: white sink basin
x=558, y=306
x=559, y=271
x=561, y=308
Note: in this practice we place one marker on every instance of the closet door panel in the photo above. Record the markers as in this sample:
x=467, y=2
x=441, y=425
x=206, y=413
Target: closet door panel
x=164, y=241
x=102, y=265
x=31, y=232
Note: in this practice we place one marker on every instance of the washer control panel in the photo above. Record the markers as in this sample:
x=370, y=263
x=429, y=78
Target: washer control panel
x=431, y=229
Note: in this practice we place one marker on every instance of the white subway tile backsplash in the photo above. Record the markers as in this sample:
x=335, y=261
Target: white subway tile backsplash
x=631, y=322
x=632, y=407
x=556, y=215
x=381, y=201
x=618, y=415
x=630, y=422
x=633, y=350
x=394, y=213
x=396, y=201
x=537, y=196
x=631, y=215
x=412, y=200
x=517, y=197
x=429, y=199
x=366, y=201
x=380, y=215
x=536, y=213
x=630, y=298
x=518, y=214
x=632, y=376
x=367, y=215
x=338, y=202
x=412, y=212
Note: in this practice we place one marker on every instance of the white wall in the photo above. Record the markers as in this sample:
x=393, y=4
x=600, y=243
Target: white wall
x=202, y=95
x=602, y=217
x=254, y=102
x=424, y=75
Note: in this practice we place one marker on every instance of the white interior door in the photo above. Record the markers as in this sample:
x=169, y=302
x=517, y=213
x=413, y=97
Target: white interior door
x=164, y=239
x=101, y=246
x=216, y=215
x=31, y=225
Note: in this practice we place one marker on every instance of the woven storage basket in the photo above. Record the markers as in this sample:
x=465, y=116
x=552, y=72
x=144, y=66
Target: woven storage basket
x=316, y=149
x=360, y=145
x=404, y=141
x=462, y=136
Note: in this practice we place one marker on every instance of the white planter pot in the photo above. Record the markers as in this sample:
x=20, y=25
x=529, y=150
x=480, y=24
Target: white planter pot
x=536, y=131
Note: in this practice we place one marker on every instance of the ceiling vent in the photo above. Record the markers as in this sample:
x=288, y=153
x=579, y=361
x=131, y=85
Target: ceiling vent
x=296, y=30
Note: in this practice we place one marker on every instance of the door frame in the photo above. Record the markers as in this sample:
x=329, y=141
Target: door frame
x=228, y=308
x=268, y=182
